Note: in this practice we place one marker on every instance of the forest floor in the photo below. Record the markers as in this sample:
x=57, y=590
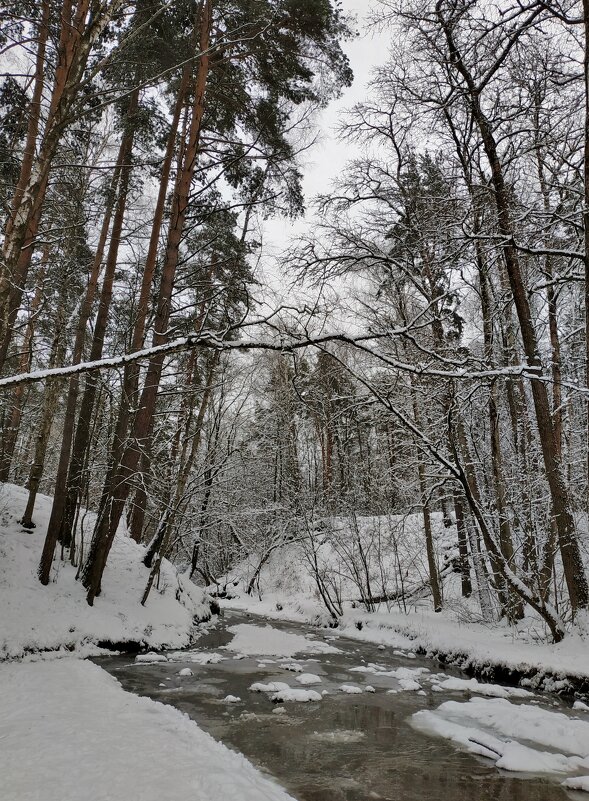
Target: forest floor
x=67, y=729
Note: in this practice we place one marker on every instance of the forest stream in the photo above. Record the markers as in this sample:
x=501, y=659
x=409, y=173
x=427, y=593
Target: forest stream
x=348, y=747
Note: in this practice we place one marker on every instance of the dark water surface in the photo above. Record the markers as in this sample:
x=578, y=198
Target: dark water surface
x=344, y=748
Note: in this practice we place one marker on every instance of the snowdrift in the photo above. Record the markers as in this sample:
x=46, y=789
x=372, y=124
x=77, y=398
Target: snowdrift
x=36, y=618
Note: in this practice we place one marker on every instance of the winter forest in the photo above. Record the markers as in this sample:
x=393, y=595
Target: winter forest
x=363, y=409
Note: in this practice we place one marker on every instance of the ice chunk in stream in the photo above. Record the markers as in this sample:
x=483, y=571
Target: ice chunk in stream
x=300, y=696
x=150, y=658
x=577, y=783
x=339, y=736
x=231, y=699
x=292, y=666
x=271, y=687
x=493, y=727
x=491, y=690
x=197, y=657
x=308, y=678
x=351, y=689
x=185, y=672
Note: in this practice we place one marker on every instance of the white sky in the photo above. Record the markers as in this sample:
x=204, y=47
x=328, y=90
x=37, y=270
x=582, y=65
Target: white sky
x=321, y=164
x=327, y=158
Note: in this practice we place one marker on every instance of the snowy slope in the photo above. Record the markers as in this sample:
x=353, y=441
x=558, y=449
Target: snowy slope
x=288, y=591
x=38, y=618
x=69, y=732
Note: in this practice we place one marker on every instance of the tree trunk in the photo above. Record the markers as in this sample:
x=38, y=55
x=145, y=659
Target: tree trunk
x=465, y=581
x=10, y=433
x=107, y=524
x=574, y=572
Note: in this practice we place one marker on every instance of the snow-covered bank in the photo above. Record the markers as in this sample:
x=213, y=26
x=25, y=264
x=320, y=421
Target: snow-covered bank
x=490, y=653
x=69, y=731
x=514, y=736
x=36, y=618
x=494, y=651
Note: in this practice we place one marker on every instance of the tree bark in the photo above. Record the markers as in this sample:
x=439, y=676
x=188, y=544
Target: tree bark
x=107, y=523
x=574, y=572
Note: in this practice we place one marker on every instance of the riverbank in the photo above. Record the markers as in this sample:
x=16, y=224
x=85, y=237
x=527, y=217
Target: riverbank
x=497, y=654
x=69, y=731
x=38, y=619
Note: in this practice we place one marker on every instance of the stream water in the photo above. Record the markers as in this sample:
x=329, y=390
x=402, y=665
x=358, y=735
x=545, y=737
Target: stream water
x=347, y=747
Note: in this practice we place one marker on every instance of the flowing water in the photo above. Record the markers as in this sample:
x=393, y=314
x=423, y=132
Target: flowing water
x=345, y=748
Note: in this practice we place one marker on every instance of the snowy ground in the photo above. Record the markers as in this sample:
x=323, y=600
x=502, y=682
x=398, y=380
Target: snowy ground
x=68, y=731
x=46, y=618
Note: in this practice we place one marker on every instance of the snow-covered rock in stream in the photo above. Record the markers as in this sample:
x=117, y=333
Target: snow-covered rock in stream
x=299, y=696
x=271, y=687
x=308, y=678
x=150, y=658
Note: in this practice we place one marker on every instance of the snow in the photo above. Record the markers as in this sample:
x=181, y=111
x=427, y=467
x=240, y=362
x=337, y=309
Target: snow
x=69, y=731
x=267, y=640
x=351, y=689
x=299, y=696
x=231, y=699
x=185, y=672
x=308, y=678
x=492, y=690
x=514, y=736
x=36, y=618
x=271, y=687
x=150, y=658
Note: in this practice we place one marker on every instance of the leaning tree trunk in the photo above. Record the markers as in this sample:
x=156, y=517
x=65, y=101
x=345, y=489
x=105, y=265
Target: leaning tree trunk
x=59, y=495
x=63, y=513
x=84, y=423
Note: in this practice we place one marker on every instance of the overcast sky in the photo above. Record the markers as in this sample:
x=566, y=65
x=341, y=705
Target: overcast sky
x=327, y=158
